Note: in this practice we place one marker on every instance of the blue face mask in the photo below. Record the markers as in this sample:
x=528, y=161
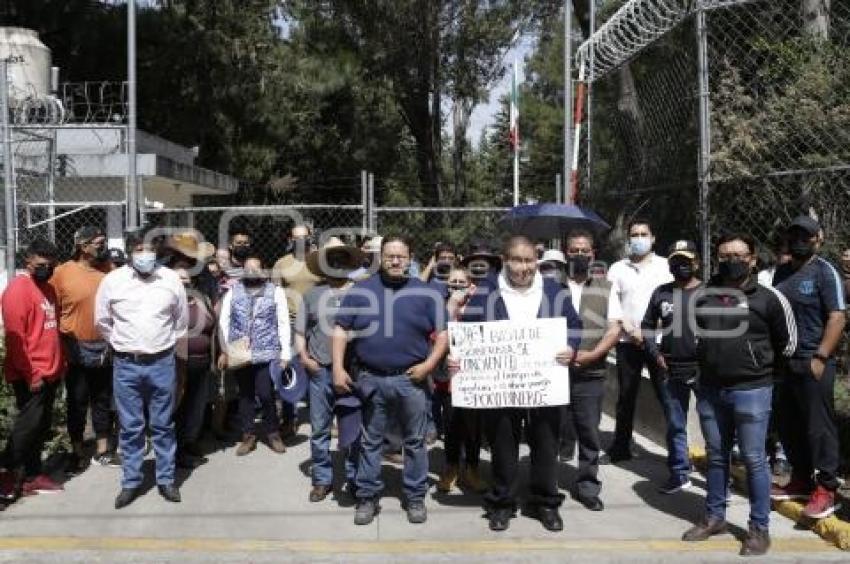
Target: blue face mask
x=144, y=262
x=639, y=246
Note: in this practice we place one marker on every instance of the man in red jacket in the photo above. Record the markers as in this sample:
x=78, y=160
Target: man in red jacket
x=34, y=367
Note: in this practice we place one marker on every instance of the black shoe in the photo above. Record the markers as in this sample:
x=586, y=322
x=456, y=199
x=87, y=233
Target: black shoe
x=126, y=497
x=189, y=462
x=705, y=530
x=76, y=464
x=365, y=511
x=550, y=518
x=615, y=456
x=193, y=449
x=500, y=519
x=591, y=502
x=756, y=543
x=169, y=492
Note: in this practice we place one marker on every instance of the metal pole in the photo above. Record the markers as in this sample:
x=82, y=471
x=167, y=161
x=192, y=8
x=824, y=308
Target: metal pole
x=515, y=124
x=372, y=203
x=51, y=187
x=568, y=92
x=704, y=162
x=132, y=178
x=364, y=198
x=558, y=188
x=8, y=172
x=592, y=11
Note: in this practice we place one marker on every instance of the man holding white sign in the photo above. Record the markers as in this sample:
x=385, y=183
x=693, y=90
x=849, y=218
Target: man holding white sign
x=510, y=357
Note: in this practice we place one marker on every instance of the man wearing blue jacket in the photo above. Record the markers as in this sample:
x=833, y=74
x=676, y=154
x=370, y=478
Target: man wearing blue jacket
x=522, y=294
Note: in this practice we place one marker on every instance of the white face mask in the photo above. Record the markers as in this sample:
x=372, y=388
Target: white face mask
x=639, y=246
x=144, y=261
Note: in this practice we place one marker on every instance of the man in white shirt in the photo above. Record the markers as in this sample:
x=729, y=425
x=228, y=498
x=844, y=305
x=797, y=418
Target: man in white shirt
x=633, y=279
x=141, y=311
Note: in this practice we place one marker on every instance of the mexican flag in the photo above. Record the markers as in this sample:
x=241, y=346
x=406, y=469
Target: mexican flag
x=514, y=112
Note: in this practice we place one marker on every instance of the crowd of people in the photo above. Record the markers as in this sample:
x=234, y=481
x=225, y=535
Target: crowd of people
x=171, y=336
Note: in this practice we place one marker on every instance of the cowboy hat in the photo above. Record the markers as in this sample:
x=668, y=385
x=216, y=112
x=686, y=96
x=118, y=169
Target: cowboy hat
x=482, y=249
x=318, y=263
x=187, y=243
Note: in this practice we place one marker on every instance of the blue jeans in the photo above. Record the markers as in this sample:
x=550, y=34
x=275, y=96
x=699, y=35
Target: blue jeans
x=321, y=416
x=397, y=394
x=725, y=414
x=677, y=399
x=138, y=384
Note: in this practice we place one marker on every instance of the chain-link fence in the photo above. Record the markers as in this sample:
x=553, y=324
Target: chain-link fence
x=716, y=115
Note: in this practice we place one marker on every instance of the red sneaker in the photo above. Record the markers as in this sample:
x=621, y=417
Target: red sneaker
x=821, y=504
x=42, y=484
x=796, y=489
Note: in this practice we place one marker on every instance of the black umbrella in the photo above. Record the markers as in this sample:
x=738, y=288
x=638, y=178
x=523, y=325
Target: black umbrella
x=550, y=221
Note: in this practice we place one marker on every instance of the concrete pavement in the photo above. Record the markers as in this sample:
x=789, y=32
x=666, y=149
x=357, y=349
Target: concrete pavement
x=256, y=509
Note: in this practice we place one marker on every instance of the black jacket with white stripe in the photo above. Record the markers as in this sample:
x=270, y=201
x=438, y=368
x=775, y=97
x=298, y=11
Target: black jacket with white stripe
x=742, y=333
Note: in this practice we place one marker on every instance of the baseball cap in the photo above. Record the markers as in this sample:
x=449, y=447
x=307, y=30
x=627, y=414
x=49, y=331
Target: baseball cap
x=806, y=223
x=684, y=248
x=552, y=255
x=86, y=233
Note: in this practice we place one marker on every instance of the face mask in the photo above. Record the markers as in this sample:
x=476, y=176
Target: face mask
x=458, y=292
x=144, y=262
x=733, y=270
x=241, y=252
x=253, y=280
x=442, y=270
x=682, y=271
x=578, y=264
x=639, y=246
x=801, y=249
x=42, y=272
x=101, y=254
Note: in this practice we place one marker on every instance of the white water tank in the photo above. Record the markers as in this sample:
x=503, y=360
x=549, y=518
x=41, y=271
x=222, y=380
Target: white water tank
x=29, y=63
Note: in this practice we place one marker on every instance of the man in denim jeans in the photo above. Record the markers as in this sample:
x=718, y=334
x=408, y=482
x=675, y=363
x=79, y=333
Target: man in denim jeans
x=390, y=318
x=313, y=332
x=742, y=328
x=671, y=310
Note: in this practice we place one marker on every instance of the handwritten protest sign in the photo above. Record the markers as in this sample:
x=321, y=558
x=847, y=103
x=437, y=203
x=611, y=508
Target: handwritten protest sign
x=509, y=364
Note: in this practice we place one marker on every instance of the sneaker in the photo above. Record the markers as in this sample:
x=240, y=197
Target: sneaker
x=416, y=512
x=366, y=510
x=447, y=479
x=821, y=504
x=42, y=484
x=674, y=485
x=796, y=489
x=108, y=458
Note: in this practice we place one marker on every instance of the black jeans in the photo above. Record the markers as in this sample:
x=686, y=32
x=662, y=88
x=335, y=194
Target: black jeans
x=504, y=430
x=462, y=430
x=806, y=422
x=255, y=384
x=630, y=362
x=189, y=418
x=30, y=429
x=89, y=386
x=586, y=394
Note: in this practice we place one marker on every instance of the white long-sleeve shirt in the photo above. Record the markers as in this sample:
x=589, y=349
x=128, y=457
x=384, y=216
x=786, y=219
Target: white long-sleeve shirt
x=632, y=285
x=283, y=330
x=141, y=315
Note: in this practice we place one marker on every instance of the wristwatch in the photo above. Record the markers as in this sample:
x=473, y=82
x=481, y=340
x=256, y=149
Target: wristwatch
x=821, y=357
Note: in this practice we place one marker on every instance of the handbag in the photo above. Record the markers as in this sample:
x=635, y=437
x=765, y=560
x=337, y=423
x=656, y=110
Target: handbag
x=239, y=353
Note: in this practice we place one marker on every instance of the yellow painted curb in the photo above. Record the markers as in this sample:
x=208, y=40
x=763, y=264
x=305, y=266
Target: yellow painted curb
x=630, y=546
x=831, y=529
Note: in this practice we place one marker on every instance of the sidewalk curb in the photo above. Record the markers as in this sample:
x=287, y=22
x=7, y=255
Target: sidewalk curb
x=831, y=529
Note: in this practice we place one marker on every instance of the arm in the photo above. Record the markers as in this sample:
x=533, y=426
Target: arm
x=224, y=321
x=418, y=372
x=180, y=312
x=783, y=328
x=608, y=341
x=102, y=313
x=574, y=326
x=15, y=316
x=649, y=325
x=339, y=342
x=832, y=298
x=283, y=330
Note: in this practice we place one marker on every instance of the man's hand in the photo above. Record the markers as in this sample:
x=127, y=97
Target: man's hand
x=311, y=364
x=36, y=386
x=452, y=365
x=635, y=336
x=418, y=372
x=817, y=367
x=222, y=362
x=661, y=362
x=565, y=357
x=342, y=381
x=583, y=358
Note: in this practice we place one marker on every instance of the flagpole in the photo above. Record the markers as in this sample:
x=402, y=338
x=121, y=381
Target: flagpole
x=515, y=131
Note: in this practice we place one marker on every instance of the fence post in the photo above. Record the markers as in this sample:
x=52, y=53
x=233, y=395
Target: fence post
x=558, y=188
x=132, y=178
x=51, y=186
x=8, y=173
x=364, y=198
x=371, y=192
x=704, y=161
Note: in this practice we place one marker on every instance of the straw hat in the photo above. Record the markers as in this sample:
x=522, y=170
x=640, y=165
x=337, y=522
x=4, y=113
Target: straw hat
x=317, y=261
x=187, y=244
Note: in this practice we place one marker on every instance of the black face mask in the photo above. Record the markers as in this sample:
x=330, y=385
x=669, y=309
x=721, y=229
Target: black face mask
x=241, y=252
x=578, y=264
x=801, y=249
x=253, y=281
x=42, y=272
x=442, y=269
x=682, y=271
x=733, y=270
x=101, y=254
